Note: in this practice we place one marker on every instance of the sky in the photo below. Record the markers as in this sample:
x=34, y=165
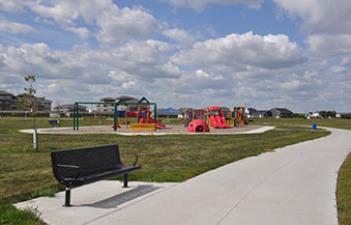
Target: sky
x=178, y=53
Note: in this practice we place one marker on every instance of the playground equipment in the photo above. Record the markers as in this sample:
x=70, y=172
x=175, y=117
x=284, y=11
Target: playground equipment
x=198, y=126
x=143, y=105
x=216, y=117
x=240, y=119
x=148, y=119
x=143, y=127
x=193, y=114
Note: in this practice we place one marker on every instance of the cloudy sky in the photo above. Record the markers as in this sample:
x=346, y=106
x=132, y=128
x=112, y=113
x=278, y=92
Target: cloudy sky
x=261, y=53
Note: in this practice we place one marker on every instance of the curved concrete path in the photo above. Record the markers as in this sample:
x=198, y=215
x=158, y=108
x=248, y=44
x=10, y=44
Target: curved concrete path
x=294, y=185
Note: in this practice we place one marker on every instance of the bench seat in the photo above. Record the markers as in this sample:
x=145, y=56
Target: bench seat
x=80, y=180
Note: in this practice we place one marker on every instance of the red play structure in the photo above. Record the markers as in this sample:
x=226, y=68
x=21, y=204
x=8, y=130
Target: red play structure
x=199, y=120
x=216, y=117
x=148, y=118
x=144, y=111
x=198, y=126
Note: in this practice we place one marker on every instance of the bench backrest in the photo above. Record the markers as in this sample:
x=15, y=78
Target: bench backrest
x=90, y=160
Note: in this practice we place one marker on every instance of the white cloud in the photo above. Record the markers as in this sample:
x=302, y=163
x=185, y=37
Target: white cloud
x=125, y=68
x=180, y=36
x=345, y=61
x=11, y=5
x=331, y=44
x=270, y=51
x=199, y=5
x=117, y=25
x=186, y=69
x=13, y=27
x=63, y=12
x=114, y=24
x=82, y=32
x=291, y=85
x=327, y=23
x=144, y=68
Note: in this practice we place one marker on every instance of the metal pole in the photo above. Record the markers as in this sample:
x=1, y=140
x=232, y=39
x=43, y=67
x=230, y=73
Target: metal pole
x=77, y=116
x=126, y=117
x=74, y=117
x=67, y=197
x=155, y=111
x=35, y=139
x=115, y=117
x=125, y=180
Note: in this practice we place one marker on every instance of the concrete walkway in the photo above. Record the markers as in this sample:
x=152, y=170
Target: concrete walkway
x=294, y=185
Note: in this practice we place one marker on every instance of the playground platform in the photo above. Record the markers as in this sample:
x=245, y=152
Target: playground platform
x=169, y=130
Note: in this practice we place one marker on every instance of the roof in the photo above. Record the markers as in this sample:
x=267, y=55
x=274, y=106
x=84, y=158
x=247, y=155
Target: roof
x=260, y=111
x=5, y=93
x=252, y=109
x=143, y=100
x=108, y=99
x=126, y=97
x=68, y=106
x=282, y=110
x=47, y=100
x=169, y=111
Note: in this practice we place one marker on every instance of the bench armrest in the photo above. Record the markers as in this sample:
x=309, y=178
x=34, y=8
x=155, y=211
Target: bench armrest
x=136, y=159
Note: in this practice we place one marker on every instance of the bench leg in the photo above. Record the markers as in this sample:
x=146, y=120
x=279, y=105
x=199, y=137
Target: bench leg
x=67, y=197
x=125, y=180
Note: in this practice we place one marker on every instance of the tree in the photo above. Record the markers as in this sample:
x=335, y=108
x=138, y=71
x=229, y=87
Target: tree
x=28, y=101
x=327, y=114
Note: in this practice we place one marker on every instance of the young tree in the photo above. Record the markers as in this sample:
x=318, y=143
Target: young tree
x=28, y=101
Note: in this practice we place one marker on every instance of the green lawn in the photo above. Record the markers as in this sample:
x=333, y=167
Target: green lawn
x=25, y=174
x=336, y=123
x=11, y=216
x=344, y=193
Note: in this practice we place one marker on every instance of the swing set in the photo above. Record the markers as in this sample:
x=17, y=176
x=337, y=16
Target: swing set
x=142, y=110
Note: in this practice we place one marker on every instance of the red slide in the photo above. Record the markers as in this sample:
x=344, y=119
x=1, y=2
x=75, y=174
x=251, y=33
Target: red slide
x=159, y=125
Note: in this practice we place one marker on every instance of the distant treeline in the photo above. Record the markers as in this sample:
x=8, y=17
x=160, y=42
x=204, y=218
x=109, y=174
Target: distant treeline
x=327, y=114
x=346, y=116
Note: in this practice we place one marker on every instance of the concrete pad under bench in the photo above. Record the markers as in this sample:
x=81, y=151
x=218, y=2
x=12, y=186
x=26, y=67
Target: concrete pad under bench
x=92, y=201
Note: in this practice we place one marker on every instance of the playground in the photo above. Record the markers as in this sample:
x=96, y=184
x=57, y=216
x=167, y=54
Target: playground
x=169, y=130
x=141, y=118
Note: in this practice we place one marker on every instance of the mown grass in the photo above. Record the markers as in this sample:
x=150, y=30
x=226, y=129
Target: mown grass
x=9, y=215
x=336, y=123
x=344, y=193
x=25, y=174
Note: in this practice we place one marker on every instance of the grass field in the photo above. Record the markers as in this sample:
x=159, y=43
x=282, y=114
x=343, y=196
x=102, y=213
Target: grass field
x=336, y=123
x=344, y=193
x=25, y=174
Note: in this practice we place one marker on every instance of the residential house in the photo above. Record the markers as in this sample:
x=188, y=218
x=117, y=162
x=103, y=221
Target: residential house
x=8, y=101
x=68, y=108
x=107, y=105
x=43, y=104
x=253, y=113
x=281, y=113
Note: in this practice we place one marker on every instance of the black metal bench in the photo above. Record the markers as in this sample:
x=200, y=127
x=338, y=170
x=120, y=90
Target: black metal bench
x=54, y=123
x=81, y=166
